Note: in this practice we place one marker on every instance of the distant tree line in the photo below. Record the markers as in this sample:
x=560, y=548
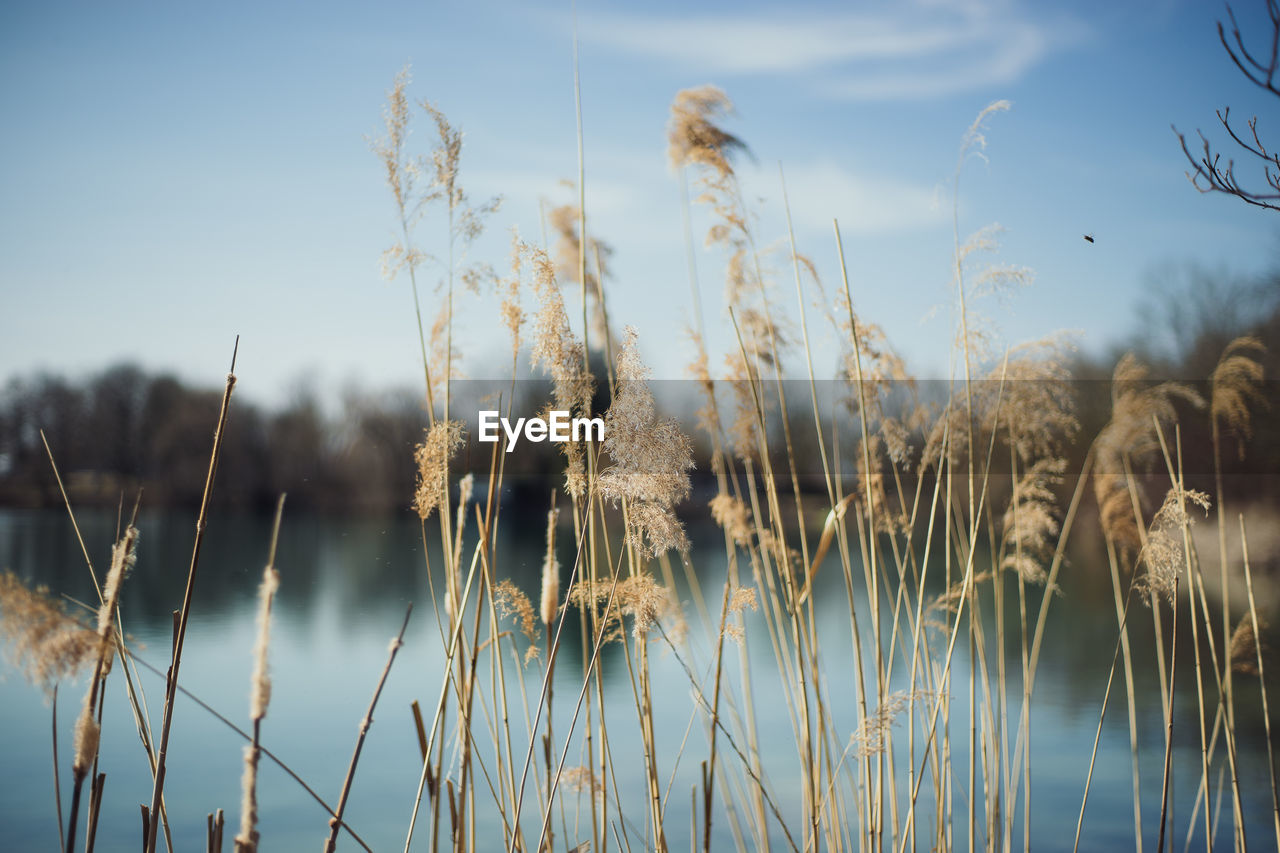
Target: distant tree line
x=1187, y=319
x=125, y=429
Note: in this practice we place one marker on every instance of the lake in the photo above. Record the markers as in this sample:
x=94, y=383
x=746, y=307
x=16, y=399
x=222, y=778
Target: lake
x=344, y=586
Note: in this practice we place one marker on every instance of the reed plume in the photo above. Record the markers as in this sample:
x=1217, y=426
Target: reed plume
x=1235, y=387
x=1136, y=406
x=693, y=137
x=1244, y=648
x=42, y=639
x=1031, y=523
x=511, y=601
x=432, y=457
x=560, y=353
x=1164, y=555
x=732, y=515
x=565, y=221
x=651, y=459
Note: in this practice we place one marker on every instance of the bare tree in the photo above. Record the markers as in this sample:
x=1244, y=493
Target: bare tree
x=1209, y=174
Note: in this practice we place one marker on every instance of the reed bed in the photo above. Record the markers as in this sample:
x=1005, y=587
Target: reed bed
x=936, y=530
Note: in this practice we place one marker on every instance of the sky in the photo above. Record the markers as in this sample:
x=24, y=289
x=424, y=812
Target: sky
x=175, y=175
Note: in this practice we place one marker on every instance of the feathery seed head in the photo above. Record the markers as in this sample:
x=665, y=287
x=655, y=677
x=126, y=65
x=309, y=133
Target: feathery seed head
x=1244, y=648
x=432, y=458
x=510, y=601
x=731, y=514
x=692, y=135
x=1164, y=554
x=42, y=638
x=1235, y=388
x=651, y=458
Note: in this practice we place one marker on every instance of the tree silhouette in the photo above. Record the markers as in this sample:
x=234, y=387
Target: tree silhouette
x=1209, y=174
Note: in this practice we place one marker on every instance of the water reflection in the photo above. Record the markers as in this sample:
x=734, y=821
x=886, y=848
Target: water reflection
x=344, y=585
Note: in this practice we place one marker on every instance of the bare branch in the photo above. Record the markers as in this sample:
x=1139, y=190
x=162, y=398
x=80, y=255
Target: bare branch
x=1208, y=175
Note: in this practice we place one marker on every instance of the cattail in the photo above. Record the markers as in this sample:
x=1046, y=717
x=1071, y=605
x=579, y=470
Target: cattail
x=259, y=698
x=260, y=690
x=123, y=557
x=86, y=741
x=453, y=582
x=549, y=601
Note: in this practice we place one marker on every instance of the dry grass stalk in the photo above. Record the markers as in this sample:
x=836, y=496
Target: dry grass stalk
x=335, y=823
x=184, y=615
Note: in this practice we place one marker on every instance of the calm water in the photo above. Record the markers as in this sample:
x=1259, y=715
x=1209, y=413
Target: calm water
x=345, y=584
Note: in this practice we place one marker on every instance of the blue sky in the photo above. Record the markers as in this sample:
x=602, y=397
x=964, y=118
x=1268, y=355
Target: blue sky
x=173, y=175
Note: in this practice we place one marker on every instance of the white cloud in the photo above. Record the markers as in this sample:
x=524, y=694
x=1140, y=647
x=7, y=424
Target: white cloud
x=821, y=191
x=911, y=50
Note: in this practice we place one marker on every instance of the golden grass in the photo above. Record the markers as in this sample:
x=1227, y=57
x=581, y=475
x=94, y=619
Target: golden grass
x=943, y=535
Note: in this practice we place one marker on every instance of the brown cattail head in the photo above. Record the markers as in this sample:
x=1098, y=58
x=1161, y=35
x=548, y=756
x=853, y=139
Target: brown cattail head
x=549, y=601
